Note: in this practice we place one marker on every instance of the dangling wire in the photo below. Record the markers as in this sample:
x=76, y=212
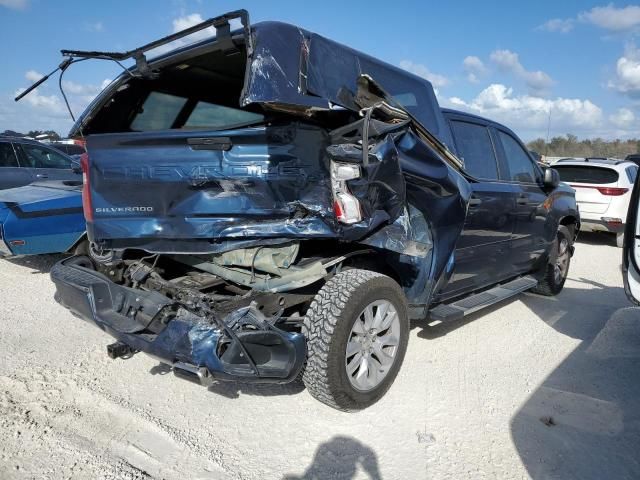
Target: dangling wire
x=63, y=69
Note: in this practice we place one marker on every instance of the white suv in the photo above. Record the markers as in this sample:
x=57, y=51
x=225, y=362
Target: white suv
x=603, y=190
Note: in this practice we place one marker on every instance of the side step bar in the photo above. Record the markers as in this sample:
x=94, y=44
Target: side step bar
x=468, y=305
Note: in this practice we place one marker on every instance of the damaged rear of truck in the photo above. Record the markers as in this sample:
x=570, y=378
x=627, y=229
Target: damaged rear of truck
x=263, y=205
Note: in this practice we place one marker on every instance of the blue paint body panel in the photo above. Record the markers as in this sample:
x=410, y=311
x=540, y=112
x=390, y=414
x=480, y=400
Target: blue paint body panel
x=46, y=216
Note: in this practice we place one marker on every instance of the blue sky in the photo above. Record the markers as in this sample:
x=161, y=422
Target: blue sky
x=513, y=62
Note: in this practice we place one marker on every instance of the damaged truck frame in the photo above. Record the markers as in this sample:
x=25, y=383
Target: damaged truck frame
x=268, y=204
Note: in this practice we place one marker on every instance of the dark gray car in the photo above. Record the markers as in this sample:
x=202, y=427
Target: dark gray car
x=25, y=161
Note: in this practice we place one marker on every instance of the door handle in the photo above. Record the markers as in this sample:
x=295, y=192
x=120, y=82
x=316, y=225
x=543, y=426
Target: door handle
x=522, y=200
x=41, y=175
x=210, y=143
x=474, y=201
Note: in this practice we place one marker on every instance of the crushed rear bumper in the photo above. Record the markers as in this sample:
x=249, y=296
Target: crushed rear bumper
x=198, y=349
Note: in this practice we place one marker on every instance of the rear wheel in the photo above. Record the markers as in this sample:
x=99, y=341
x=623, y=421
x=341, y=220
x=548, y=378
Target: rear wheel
x=357, y=331
x=557, y=268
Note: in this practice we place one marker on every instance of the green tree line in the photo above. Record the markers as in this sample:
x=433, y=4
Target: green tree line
x=570, y=146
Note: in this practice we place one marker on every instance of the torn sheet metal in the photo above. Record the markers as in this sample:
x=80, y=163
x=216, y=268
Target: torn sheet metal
x=294, y=67
x=413, y=199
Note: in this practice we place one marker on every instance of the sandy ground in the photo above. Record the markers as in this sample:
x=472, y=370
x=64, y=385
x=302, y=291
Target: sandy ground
x=542, y=388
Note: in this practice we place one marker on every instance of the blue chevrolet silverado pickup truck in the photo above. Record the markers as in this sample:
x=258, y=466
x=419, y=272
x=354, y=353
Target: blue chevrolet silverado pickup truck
x=268, y=204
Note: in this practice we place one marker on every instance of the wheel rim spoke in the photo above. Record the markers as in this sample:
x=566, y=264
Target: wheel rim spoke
x=384, y=359
x=358, y=327
x=353, y=365
x=353, y=347
x=368, y=317
x=363, y=371
x=380, y=317
x=389, y=340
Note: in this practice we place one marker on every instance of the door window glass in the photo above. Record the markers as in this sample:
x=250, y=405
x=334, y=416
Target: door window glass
x=41, y=157
x=475, y=149
x=7, y=156
x=521, y=168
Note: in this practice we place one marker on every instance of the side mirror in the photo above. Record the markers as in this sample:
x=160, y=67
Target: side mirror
x=551, y=178
x=75, y=167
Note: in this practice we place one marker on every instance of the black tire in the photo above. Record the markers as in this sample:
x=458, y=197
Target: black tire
x=549, y=283
x=327, y=327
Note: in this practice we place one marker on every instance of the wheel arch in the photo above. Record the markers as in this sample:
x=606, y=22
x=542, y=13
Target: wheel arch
x=572, y=223
x=77, y=243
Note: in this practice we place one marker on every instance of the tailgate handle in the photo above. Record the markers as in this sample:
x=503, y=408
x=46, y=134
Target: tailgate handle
x=210, y=143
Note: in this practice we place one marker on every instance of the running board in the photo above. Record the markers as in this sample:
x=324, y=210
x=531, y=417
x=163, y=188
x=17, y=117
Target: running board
x=468, y=305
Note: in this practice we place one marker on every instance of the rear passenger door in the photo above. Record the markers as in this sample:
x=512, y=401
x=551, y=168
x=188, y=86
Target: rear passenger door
x=45, y=163
x=11, y=174
x=531, y=234
x=481, y=255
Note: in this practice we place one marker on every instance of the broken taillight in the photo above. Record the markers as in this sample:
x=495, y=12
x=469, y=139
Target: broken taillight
x=87, y=207
x=345, y=205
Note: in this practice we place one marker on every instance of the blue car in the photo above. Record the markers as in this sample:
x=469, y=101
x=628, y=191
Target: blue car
x=43, y=217
x=24, y=161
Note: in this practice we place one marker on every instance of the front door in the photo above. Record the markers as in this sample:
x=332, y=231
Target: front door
x=45, y=163
x=532, y=229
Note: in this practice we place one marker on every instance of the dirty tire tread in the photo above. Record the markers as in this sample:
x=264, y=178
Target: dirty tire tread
x=321, y=320
x=547, y=285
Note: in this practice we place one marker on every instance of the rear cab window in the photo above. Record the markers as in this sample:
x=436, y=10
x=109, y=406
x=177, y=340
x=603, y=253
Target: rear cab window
x=162, y=111
x=475, y=149
x=586, y=174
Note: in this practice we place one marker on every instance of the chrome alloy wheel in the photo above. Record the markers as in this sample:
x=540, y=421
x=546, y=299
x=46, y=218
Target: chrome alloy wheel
x=372, y=345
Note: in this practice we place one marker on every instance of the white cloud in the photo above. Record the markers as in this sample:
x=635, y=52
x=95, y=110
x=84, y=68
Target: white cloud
x=530, y=114
x=437, y=80
x=95, y=27
x=508, y=61
x=612, y=18
x=627, y=78
x=33, y=76
x=15, y=4
x=49, y=103
x=79, y=88
x=474, y=68
x=184, y=22
x=558, y=25
x=44, y=108
x=623, y=118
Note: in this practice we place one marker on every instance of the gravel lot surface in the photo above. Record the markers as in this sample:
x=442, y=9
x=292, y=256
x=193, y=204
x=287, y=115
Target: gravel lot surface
x=539, y=387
